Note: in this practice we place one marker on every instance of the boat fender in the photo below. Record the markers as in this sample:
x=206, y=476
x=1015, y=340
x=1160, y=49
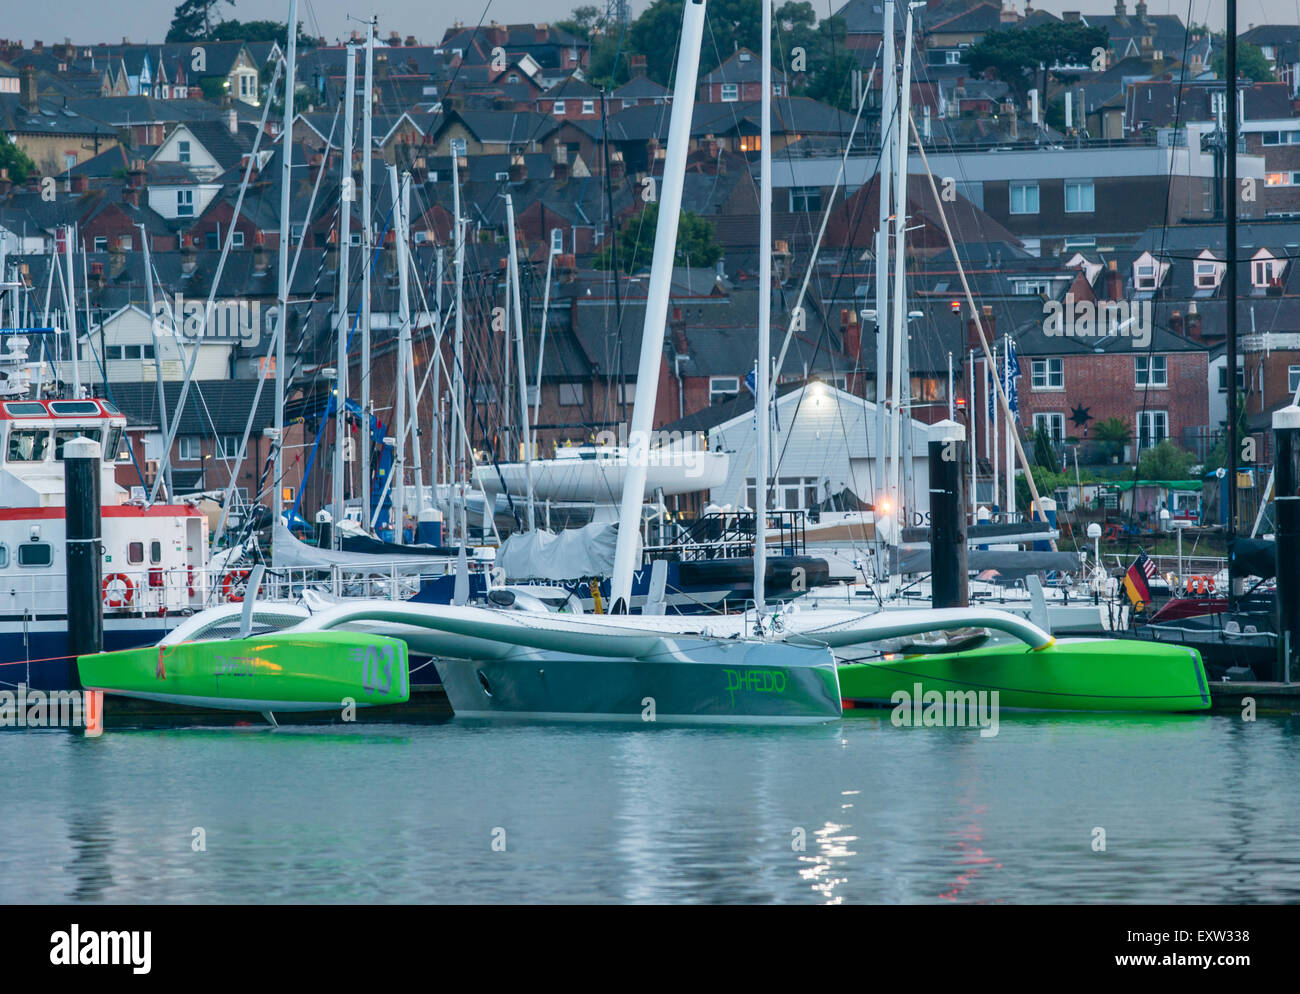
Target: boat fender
x=128, y=590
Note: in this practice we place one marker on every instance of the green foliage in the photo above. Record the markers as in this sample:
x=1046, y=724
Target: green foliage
x=1044, y=452
x=192, y=20
x=1113, y=430
x=1165, y=461
x=584, y=22
x=1250, y=63
x=1014, y=54
x=696, y=243
x=15, y=160
x=251, y=31
x=214, y=88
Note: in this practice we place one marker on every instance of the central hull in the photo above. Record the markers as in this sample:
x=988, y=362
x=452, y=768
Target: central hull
x=1067, y=675
x=707, y=683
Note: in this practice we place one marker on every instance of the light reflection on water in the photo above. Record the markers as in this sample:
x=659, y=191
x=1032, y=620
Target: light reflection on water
x=1194, y=809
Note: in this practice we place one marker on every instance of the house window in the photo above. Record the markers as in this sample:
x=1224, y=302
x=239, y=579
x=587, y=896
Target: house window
x=1207, y=275
x=210, y=240
x=513, y=78
x=1293, y=379
x=750, y=143
x=1151, y=371
x=558, y=107
x=101, y=243
x=589, y=106
x=571, y=394
x=1031, y=288
x=952, y=58
x=1144, y=276
x=1024, y=198
x=1080, y=197
x=1223, y=378
x=182, y=151
x=227, y=446
x=237, y=240
x=1277, y=179
x=730, y=92
x=805, y=199
x=722, y=387
x=1153, y=428
x=189, y=448
x=296, y=231
x=1053, y=422
x=1048, y=374
x=184, y=203
x=1262, y=272
x=247, y=86
x=629, y=102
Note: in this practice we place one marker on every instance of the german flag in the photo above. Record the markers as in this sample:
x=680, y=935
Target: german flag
x=1135, y=581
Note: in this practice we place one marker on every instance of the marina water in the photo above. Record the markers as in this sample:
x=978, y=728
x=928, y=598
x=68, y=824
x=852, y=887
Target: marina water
x=1193, y=809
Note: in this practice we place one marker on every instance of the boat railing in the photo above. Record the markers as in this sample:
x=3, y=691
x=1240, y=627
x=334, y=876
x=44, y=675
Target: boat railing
x=730, y=534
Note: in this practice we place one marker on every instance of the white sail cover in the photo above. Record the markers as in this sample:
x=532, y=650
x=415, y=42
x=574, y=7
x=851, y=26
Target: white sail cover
x=566, y=555
x=288, y=551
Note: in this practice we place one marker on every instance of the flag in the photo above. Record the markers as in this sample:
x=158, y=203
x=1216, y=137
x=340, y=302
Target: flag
x=1135, y=581
x=751, y=380
x=1013, y=389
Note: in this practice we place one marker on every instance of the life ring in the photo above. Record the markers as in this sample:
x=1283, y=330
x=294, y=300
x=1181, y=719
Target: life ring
x=128, y=590
x=230, y=583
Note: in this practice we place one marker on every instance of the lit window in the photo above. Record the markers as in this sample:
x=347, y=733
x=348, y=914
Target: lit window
x=750, y=143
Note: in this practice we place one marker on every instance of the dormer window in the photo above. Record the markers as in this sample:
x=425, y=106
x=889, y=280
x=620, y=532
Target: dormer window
x=1207, y=271
x=1264, y=269
x=1144, y=276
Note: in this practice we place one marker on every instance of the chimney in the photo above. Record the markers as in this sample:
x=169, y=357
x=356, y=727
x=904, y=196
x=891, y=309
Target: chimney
x=1176, y=322
x=189, y=258
x=1071, y=17
x=560, y=165
x=6, y=184
x=518, y=170
x=394, y=39
x=677, y=326
x=136, y=174
x=617, y=167
x=1193, y=322
x=261, y=258
x=38, y=47
x=990, y=323
x=636, y=65
x=232, y=121
x=852, y=334
x=1114, y=281
x=97, y=274
x=410, y=41
x=419, y=171
x=31, y=103
x=79, y=183
x=131, y=196
x=1119, y=9
x=1140, y=10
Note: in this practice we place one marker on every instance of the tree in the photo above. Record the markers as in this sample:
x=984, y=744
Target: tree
x=1250, y=63
x=1044, y=451
x=1014, y=54
x=584, y=22
x=192, y=20
x=252, y=31
x=696, y=243
x=13, y=158
x=1165, y=461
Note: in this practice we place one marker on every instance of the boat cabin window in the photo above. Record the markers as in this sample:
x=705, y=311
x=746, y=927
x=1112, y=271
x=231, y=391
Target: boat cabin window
x=113, y=451
x=25, y=409
x=35, y=554
x=4, y=556
x=66, y=407
x=28, y=444
x=135, y=553
x=155, y=552
x=64, y=435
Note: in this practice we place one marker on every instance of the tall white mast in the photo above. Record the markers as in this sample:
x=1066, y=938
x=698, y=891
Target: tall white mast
x=165, y=457
x=403, y=352
x=883, y=500
x=344, y=315
x=367, y=244
x=901, y=450
x=524, y=432
x=70, y=236
x=764, y=316
x=1011, y=427
x=458, y=349
x=656, y=310
x=286, y=175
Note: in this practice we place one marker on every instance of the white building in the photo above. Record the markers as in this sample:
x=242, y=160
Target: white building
x=824, y=444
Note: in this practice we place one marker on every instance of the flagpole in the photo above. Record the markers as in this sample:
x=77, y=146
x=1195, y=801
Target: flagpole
x=1011, y=427
x=974, y=496
x=997, y=449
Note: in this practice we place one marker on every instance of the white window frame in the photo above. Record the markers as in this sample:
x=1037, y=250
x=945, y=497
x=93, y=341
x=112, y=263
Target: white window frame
x=1206, y=280
x=721, y=387
x=557, y=108
x=184, y=203
x=101, y=243
x=730, y=93
x=1047, y=374
x=1148, y=437
x=589, y=106
x=1023, y=189
x=182, y=151
x=1150, y=371
x=1055, y=423
x=228, y=446
x=805, y=199
x=1292, y=379
x=1079, y=186
x=189, y=448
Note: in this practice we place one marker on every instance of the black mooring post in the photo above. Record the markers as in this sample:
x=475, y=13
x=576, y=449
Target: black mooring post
x=85, y=598
x=1286, y=487
x=948, y=581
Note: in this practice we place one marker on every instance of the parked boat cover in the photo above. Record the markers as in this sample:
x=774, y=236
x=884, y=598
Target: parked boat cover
x=1010, y=563
x=288, y=551
x=566, y=555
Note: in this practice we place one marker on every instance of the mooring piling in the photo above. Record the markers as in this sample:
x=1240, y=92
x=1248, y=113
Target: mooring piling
x=1286, y=466
x=947, y=450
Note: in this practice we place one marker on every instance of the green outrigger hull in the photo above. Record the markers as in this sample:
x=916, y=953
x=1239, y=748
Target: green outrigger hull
x=1066, y=675
x=313, y=671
